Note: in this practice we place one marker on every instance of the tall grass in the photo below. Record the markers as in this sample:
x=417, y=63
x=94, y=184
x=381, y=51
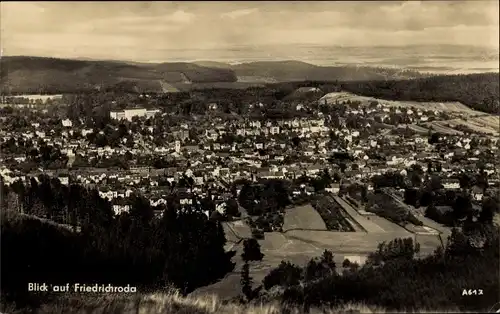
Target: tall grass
x=173, y=302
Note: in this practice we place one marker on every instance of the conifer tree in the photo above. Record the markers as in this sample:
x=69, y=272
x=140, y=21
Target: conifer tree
x=246, y=281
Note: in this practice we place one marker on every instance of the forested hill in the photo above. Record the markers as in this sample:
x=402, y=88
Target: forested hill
x=478, y=91
x=292, y=70
x=51, y=75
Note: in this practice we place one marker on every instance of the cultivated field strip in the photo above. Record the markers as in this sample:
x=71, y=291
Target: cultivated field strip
x=303, y=217
x=332, y=98
x=484, y=124
x=440, y=127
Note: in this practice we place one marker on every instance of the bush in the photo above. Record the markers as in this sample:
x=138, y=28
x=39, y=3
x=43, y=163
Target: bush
x=346, y=263
x=285, y=275
x=270, y=221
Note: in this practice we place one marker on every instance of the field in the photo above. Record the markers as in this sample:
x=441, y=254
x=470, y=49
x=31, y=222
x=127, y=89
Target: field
x=488, y=121
x=478, y=121
x=483, y=124
x=303, y=217
x=184, y=87
x=236, y=230
x=256, y=79
x=418, y=128
x=386, y=225
x=167, y=88
x=440, y=127
x=331, y=98
x=299, y=246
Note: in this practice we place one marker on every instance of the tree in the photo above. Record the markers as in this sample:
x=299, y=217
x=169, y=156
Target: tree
x=411, y=197
x=346, y=263
x=251, y=250
x=435, y=183
x=463, y=206
x=395, y=249
x=342, y=166
x=327, y=259
x=439, y=167
x=482, y=181
x=364, y=194
x=232, y=208
x=433, y=138
x=415, y=178
x=246, y=281
x=465, y=181
x=490, y=206
x=286, y=274
x=320, y=268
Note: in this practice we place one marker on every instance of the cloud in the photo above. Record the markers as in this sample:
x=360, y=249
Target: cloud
x=389, y=16
x=151, y=27
x=135, y=24
x=180, y=16
x=238, y=13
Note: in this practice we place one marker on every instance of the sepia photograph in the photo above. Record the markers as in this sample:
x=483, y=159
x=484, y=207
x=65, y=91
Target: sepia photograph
x=257, y=157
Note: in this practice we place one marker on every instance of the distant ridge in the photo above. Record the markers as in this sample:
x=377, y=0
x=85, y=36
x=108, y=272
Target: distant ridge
x=24, y=74
x=213, y=64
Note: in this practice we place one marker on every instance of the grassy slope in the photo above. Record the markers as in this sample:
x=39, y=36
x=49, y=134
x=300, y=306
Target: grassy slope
x=174, y=303
x=477, y=91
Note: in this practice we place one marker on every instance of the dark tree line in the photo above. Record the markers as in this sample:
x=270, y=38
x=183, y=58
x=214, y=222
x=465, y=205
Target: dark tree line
x=270, y=196
x=183, y=248
x=389, y=179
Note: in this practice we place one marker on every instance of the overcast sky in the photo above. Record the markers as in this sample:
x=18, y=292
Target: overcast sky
x=131, y=30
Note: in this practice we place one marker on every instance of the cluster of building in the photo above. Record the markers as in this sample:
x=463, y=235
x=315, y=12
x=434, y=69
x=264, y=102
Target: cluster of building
x=226, y=151
x=128, y=114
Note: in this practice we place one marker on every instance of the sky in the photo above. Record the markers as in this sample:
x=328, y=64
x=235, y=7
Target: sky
x=153, y=30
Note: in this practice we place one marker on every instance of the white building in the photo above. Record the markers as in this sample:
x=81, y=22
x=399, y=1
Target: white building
x=356, y=259
x=275, y=130
x=67, y=123
x=128, y=114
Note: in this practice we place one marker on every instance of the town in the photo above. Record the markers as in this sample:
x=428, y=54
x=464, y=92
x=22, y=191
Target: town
x=249, y=157
x=335, y=156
